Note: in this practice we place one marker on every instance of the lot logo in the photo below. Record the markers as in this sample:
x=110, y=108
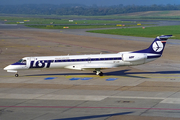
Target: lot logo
x=40, y=64
x=158, y=46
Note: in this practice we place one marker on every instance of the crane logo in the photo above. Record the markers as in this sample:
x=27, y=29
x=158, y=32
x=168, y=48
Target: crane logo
x=158, y=46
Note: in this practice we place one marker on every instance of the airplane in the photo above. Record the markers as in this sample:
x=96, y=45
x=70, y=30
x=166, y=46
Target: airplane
x=95, y=62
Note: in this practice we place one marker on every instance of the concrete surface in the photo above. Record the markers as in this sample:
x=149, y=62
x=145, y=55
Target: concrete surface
x=149, y=91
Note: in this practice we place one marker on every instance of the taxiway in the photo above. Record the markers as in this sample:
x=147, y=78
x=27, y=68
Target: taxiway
x=149, y=91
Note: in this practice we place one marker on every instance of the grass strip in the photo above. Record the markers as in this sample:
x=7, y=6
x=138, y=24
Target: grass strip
x=144, y=32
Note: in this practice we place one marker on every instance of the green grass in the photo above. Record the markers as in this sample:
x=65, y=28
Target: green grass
x=84, y=24
x=73, y=26
x=70, y=26
x=15, y=20
x=147, y=32
x=76, y=26
x=65, y=21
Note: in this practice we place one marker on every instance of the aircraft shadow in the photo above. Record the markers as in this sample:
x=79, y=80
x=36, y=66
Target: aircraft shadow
x=61, y=74
x=123, y=73
x=126, y=73
x=116, y=73
x=94, y=116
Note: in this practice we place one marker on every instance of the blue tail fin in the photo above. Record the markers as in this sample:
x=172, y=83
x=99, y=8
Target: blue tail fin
x=157, y=47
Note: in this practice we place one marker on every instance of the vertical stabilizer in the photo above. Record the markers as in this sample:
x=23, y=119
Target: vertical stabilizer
x=158, y=45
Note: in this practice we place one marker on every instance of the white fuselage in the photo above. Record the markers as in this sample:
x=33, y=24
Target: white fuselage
x=82, y=62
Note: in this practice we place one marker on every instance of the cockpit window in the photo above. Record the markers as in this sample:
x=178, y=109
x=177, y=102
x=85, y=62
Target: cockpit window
x=22, y=61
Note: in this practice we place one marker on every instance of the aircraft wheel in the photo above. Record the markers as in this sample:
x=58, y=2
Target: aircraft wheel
x=97, y=72
x=16, y=75
x=100, y=74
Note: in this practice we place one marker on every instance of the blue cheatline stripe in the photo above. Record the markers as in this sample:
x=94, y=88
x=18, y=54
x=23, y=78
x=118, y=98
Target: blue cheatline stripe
x=90, y=59
x=50, y=78
x=111, y=79
x=17, y=63
x=151, y=57
x=78, y=60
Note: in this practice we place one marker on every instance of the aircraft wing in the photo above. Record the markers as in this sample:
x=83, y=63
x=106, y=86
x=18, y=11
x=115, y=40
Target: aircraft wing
x=90, y=66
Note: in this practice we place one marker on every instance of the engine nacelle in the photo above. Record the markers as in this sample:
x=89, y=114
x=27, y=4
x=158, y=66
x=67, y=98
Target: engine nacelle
x=134, y=57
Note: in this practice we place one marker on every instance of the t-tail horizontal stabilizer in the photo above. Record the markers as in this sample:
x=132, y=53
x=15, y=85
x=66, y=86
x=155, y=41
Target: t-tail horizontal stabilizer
x=157, y=46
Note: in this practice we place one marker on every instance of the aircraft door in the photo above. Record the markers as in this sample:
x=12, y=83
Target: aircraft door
x=89, y=60
x=27, y=62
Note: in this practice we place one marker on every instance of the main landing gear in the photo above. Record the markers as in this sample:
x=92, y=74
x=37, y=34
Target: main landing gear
x=98, y=73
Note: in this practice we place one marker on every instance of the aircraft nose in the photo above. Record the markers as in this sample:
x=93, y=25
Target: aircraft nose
x=10, y=68
x=7, y=67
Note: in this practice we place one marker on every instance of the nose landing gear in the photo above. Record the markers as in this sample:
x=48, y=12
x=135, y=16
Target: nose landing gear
x=16, y=75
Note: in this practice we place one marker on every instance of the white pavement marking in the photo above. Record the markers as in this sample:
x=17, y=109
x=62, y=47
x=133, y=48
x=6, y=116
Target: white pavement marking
x=73, y=97
x=171, y=101
x=136, y=97
x=82, y=97
x=52, y=97
x=19, y=96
